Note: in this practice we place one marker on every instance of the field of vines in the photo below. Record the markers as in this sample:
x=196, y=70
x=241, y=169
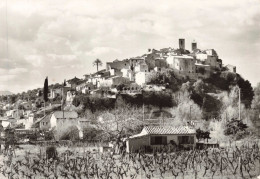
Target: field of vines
x=237, y=162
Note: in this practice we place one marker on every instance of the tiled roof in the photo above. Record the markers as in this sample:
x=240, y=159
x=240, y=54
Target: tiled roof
x=73, y=80
x=65, y=114
x=169, y=130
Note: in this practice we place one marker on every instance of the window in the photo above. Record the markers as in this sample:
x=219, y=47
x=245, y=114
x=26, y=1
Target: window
x=186, y=139
x=158, y=140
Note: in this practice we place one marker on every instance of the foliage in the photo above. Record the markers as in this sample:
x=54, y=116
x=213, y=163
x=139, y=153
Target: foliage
x=71, y=133
x=230, y=106
x=48, y=135
x=97, y=63
x=211, y=107
x=235, y=127
x=186, y=109
x=45, y=90
x=216, y=128
x=225, y=81
x=120, y=87
x=91, y=134
x=200, y=134
x=166, y=78
x=120, y=120
x=255, y=108
x=256, y=100
x=93, y=103
x=222, y=80
x=51, y=152
x=11, y=138
x=159, y=99
x=247, y=92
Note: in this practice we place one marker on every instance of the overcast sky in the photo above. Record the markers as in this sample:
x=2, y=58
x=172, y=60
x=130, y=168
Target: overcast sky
x=61, y=38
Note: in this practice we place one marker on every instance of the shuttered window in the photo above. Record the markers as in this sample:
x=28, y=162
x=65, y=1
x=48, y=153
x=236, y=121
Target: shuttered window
x=158, y=140
x=186, y=139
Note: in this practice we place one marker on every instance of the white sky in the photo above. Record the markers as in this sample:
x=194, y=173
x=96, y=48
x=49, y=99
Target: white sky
x=61, y=38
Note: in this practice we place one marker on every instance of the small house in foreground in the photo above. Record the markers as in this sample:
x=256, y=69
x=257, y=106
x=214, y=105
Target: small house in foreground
x=158, y=136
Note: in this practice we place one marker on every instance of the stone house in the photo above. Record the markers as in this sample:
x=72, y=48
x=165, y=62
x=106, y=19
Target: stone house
x=55, y=93
x=231, y=68
x=97, y=78
x=209, y=57
x=114, y=81
x=116, y=64
x=141, y=67
x=141, y=78
x=128, y=73
x=158, y=136
x=85, y=87
x=73, y=82
x=183, y=63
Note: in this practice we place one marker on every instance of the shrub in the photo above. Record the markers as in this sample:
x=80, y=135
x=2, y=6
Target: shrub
x=71, y=133
x=51, y=152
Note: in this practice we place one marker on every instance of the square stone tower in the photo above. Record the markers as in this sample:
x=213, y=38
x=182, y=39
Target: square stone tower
x=193, y=45
x=182, y=44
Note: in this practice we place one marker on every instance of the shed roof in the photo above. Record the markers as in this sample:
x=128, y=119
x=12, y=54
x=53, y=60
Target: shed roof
x=168, y=130
x=164, y=130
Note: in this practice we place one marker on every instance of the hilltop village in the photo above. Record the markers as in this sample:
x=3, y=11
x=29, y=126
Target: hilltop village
x=135, y=73
x=129, y=76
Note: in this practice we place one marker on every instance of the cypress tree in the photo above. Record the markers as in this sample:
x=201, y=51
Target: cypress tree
x=45, y=90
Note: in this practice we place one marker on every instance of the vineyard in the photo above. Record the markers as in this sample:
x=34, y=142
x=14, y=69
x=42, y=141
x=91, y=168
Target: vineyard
x=237, y=162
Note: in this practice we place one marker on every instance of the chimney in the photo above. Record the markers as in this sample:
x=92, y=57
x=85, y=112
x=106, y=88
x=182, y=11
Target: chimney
x=182, y=44
x=193, y=45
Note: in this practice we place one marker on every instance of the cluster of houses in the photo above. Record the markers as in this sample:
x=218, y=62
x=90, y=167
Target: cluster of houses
x=135, y=72
x=23, y=115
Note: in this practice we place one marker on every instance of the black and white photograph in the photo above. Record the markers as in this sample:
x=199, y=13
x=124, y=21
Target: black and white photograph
x=129, y=89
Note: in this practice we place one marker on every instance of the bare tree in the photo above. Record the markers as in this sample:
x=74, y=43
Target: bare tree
x=118, y=121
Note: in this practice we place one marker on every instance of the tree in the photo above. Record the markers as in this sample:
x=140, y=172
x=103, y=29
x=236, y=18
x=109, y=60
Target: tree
x=120, y=121
x=71, y=133
x=236, y=128
x=97, y=63
x=200, y=134
x=211, y=107
x=186, y=109
x=255, y=111
x=120, y=87
x=162, y=99
x=247, y=92
x=45, y=90
x=199, y=86
x=256, y=100
x=230, y=106
x=39, y=93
